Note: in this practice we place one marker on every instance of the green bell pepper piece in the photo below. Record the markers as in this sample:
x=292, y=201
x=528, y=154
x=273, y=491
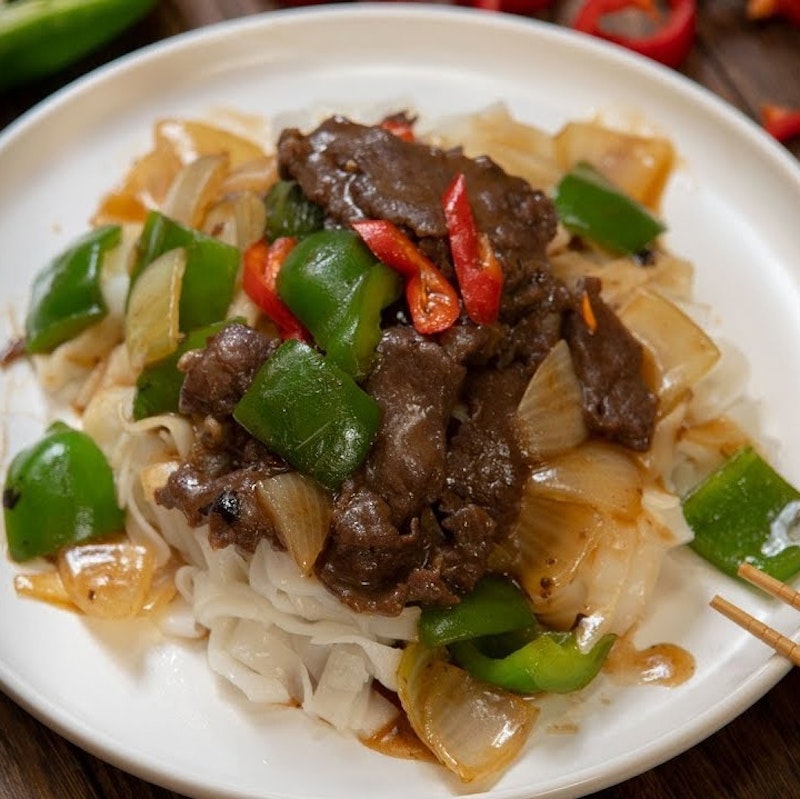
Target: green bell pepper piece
x=494, y=606
x=66, y=296
x=59, y=491
x=210, y=274
x=39, y=37
x=158, y=387
x=289, y=213
x=550, y=663
x=310, y=412
x=337, y=288
x=746, y=512
x=591, y=206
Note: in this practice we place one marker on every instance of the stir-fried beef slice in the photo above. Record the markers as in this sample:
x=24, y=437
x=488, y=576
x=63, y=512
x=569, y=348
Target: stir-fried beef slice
x=217, y=484
x=228, y=504
x=416, y=384
x=356, y=171
x=217, y=376
x=409, y=528
x=608, y=361
x=367, y=560
x=484, y=464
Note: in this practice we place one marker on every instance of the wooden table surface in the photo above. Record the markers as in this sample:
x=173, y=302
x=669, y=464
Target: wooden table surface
x=755, y=757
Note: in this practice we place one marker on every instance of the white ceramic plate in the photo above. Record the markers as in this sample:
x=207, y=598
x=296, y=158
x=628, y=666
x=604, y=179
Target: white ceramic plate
x=150, y=705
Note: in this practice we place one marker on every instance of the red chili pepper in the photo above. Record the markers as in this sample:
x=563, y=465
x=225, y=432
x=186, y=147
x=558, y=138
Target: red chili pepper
x=400, y=125
x=262, y=262
x=432, y=301
x=761, y=9
x=781, y=122
x=669, y=44
x=480, y=276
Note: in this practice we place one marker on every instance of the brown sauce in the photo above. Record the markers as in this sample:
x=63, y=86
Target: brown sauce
x=663, y=664
x=398, y=739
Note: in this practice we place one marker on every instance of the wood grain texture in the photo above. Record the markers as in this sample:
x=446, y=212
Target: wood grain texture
x=757, y=756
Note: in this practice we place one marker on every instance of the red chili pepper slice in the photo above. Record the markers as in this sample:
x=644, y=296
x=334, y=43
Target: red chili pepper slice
x=400, y=125
x=480, y=276
x=432, y=301
x=669, y=44
x=262, y=262
x=781, y=122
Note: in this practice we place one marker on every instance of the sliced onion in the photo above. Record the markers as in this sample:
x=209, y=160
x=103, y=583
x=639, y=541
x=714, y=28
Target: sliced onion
x=255, y=176
x=191, y=139
x=606, y=574
x=194, y=189
x=45, y=586
x=116, y=268
x=151, y=323
x=553, y=539
x=162, y=588
x=473, y=728
x=639, y=165
x=550, y=414
x=300, y=509
x=238, y=221
x=144, y=188
x=679, y=350
x=108, y=579
x=596, y=473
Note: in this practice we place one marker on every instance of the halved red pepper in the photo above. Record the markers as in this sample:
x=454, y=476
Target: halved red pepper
x=262, y=262
x=480, y=276
x=781, y=122
x=669, y=44
x=432, y=301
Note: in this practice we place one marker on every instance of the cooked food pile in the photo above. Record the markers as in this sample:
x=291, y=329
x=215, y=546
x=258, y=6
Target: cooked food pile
x=384, y=408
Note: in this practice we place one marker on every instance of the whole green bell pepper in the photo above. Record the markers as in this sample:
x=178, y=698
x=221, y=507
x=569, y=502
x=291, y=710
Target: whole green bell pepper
x=289, y=213
x=210, y=274
x=745, y=511
x=59, y=491
x=337, y=288
x=310, y=412
x=591, y=206
x=66, y=296
x=549, y=663
x=39, y=37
